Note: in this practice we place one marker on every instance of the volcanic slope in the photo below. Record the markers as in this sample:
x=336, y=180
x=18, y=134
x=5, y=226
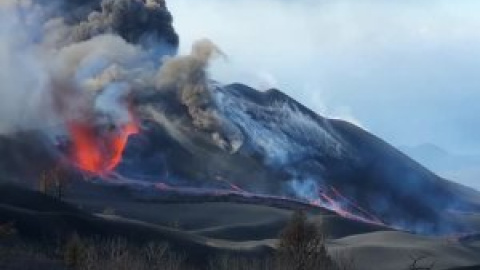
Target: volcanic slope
x=267, y=143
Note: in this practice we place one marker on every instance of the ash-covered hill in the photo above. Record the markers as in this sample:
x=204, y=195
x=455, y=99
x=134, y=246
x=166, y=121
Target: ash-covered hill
x=267, y=143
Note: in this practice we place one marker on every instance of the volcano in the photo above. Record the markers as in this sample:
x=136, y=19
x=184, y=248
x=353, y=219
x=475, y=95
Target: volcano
x=270, y=144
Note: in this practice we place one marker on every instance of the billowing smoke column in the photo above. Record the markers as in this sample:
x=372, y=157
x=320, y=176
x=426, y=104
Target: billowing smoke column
x=186, y=76
x=146, y=22
x=71, y=67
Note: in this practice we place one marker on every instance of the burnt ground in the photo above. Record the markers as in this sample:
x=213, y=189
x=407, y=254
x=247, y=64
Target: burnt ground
x=205, y=229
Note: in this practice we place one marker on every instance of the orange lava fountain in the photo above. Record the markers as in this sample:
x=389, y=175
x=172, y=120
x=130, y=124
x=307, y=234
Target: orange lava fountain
x=99, y=154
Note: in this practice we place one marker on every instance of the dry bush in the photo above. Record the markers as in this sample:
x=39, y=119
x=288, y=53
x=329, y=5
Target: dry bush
x=421, y=262
x=302, y=246
x=53, y=182
x=344, y=261
x=23, y=256
x=75, y=252
x=89, y=254
x=230, y=262
x=118, y=254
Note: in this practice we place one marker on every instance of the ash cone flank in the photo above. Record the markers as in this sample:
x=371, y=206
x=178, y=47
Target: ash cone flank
x=115, y=102
x=287, y=150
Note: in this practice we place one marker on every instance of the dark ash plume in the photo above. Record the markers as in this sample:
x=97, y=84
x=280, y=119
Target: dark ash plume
x=137, y=21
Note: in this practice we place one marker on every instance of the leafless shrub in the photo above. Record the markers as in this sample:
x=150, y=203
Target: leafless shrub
x=53, y=182
x=344, y=261
x=75, y=252
x=302, y=246
x=421, y=262
x=22, y=256
x=118, y=254
x=232, y=262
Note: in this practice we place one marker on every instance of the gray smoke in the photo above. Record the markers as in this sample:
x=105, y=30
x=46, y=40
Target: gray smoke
x=187, y=75
x=137, y=21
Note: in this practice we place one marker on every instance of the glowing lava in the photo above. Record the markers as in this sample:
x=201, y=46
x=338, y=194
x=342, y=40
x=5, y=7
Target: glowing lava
x=333, y=200
x=99, y=152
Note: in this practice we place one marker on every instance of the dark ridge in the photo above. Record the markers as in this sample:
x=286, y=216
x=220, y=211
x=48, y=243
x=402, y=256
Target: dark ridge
x=24, y=156
x=18, y=197
x=40, y=219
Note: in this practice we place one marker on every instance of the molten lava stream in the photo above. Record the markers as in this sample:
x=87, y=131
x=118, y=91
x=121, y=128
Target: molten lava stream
x=97, y=153
x=343, y=206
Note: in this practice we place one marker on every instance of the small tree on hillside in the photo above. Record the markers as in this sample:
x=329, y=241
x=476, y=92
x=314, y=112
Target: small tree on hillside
x=421, y=262
x=53, y=183
x=302, y=246
x=75, y=252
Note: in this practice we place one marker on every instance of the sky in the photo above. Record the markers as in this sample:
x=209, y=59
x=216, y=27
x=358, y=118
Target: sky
x=407, y=71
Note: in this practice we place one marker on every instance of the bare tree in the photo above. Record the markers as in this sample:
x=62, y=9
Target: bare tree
x=302, y=246
x=119, y=254
x=53, y=182
x=232, y=262
x=419, y=262
x=75, y=252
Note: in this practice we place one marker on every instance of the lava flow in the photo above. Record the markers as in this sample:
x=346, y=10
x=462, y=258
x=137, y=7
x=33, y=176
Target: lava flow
x=332, y=199
x=99, y=153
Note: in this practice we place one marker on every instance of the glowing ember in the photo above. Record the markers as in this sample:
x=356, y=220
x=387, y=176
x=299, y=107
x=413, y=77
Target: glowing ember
x=99, y=153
